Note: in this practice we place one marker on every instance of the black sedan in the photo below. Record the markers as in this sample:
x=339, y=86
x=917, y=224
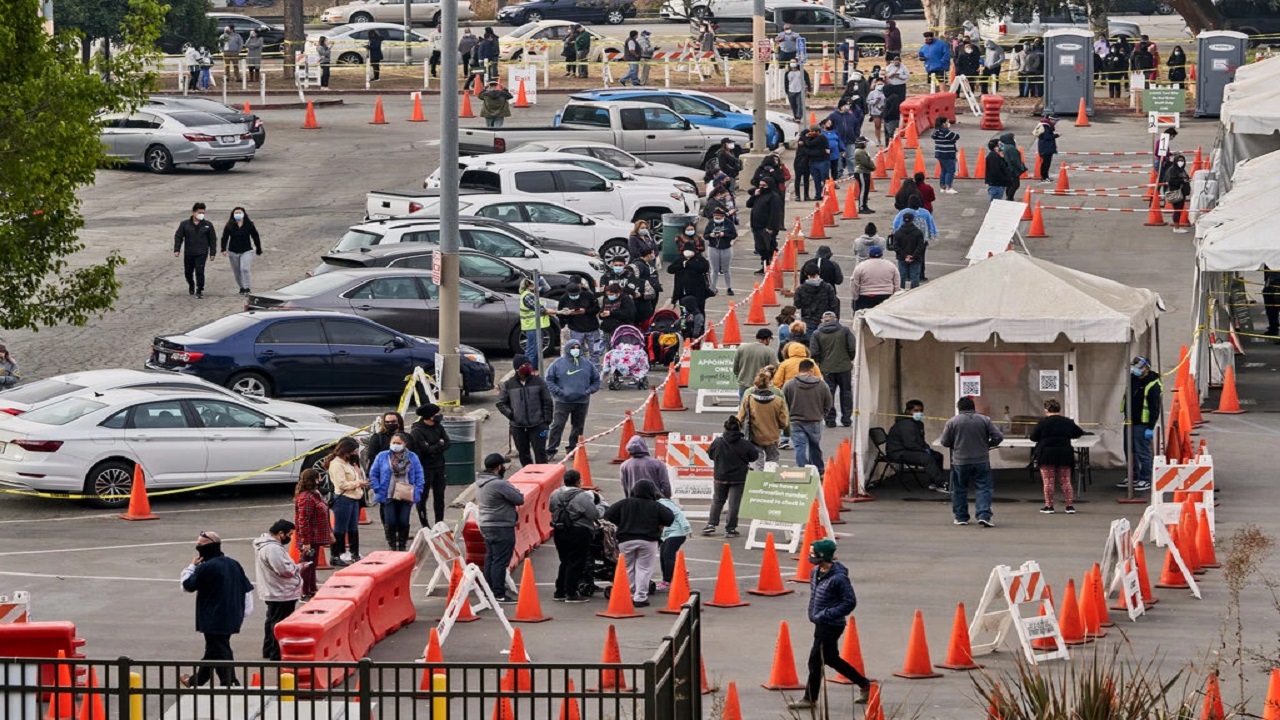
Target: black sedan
x=178, y=103
x=487, y=271
x=272, y=35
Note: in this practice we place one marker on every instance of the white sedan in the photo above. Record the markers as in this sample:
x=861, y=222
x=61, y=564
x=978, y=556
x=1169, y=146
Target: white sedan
x=420, y=11
x=349, y=44
x=90, y=444
x=545, y=38
x=615, y=156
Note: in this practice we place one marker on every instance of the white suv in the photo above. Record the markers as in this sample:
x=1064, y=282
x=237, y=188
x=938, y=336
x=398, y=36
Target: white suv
x=1024, y=24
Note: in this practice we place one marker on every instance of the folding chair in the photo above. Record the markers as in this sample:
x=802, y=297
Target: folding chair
x=879, y=437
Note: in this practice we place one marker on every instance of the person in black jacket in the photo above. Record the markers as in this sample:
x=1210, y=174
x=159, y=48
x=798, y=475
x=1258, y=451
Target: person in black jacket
x=1055, y=456
x=430, y=441
x=392, y=423
x=816, y=150
x=770, y=167
x=240, y=242
x=830, y=602
x=375, y=54
x=223, y=600
x=906, y=444
x=525, y=402
x=828, y=269
x=196, y=242
x=766, y=205
x=731, y=455
x=909, y=244
x=616, y=309
x=648, y=287
x=719, y=234
x=996, y=171
x=691, y=270
x=580, y=310
x=815, y=297
x=727, y=157
x=640, y=519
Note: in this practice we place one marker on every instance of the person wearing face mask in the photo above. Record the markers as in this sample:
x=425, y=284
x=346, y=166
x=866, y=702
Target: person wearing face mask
x=896, y=76
x=525, y=402
x=875, y=110
x=770, y=167
x=616, y=309
x=788, y=44
x=534, y=320
x=830, y=602
x=240, y=242
x=728, y=160
x=349, y=485
x=224, y=598
x=815, y=146
x=1177, y=190
x=254, y=47
x=431, y=441
x=572, y=380
x=620, y=273
x=907, y=445
x=579, y=310
x=196, y=242
x=397, y=480
x=641, y=240
x=497, y=499
x=314, y=530
x=767, y=208
x=815, y=296
x=279, y=581
x=376, y=442
x=648, y=290
x=968, y=62
x=691, y=271
x=797, y=84
x=720, y=234
x=1142, y=410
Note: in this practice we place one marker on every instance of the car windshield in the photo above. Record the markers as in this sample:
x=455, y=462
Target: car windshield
x=223, y=328
x=316, y=285
x=197, y=119
x=340, y=30
x=38, y=391
x=63, y=411
x=523, y=31
x=356, y=239
x=605, y=170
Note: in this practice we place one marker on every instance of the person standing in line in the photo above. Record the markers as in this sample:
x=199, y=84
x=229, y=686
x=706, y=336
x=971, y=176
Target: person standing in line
x=808, y=402
x=672, y=539
x=326, y=54
x=489, y=53
x=691, y=271
x=927, y=195
x=641, y=240
x=831, y=601
x=224, y=598
x=863, y=165
x=397, y=480
x=495, y=105
x=750, y=358
x=253, y=46
x=719, y=234
x=815, y=145
x=196, y=242
x=1177, y=189
x=910, y=246
x=1055, y=455
x=1046, y=134
x=430, y=441
x=1113, y=67
x=944, y=149
x=648, y=287
x=498, y=500
x=466, y=44
x=580, y=311
x=1164, y=152
x=992, y=63
x=732, y=456
x=647, y=49
x=796, y=351
x=936, y=56
x=1144, y=411
x=617, y=309
x=815, y=297
x=1012, y=155
x=906, y=191
x=631, y=56
x=582, y=50
x=640, y=466
x=349, y=486
x=574, y=517
x=279, y=581
x=996, y=171
x=10, y=373
x=1033, y=68
x=862, y=246
x=836, y=145
x=191, y=57
x=232, y=45
x=874, y=279
x=833, y=348
x=640, y=519
x=892, y=37
x=767, y=208
x=375, y=54
x=1177, y=63
x=240, y=242
x=572, y=380
x=313, y=531
x=875, y=110
x=828, y=269
x=905, y=443
x=763, y=416
x=525, y=402
x=534, y=319
x=797, y=83
x=434, y=40
x=390, y=424
x=730, y=165
x=970, y=436
x=969, y=63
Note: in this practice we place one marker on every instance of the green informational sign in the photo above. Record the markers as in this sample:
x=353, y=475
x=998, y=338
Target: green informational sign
x=712, y=370
x=783, y=496
x=1164, y=100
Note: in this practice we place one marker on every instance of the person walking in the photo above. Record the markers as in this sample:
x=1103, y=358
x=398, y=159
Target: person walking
x=808, y=402
x=944, y=150
x=572, y=380
x=1177, y=189
x=996, y=171
x=909, y=246
x=495, y=105
x=732, y=456
x=831, y=600
x=719, y=234
x=647, y=49
x=582, y=50
x=815, y=297
x=797, y=84
x=240, y=242
x=832, y=346
x=196, y=242
x=767, y=208
x=375, y=54
x=1054, y=454
x=525, y=401
x=970, y=436
x=224, y=598
x=574, y=518
x=232, y=45
x=1033, y=69
x=672, y=539
x=639, y=466
x=795, y=351
x=1046, y=134
x=430, y=442
x=750, y=358
x=763, y=417
x=253, y=48
x=874, y=279
x=631, y=55
x=349, y=486
x=640, y=519
x=10, y=372
x=312, y=529
x=1144, y=408
x=326, y=54
x=906, y=444
x=279, y=581
x=397, y=480
x=497, y=499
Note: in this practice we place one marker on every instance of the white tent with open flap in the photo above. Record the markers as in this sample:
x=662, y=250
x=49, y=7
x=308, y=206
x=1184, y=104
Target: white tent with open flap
x=1011, y=331
x=1250, y=120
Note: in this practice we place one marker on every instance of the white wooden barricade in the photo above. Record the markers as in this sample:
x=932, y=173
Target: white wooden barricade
x=1003, y=600
x=473, y=583
x=1119, y=565
x=439, y=544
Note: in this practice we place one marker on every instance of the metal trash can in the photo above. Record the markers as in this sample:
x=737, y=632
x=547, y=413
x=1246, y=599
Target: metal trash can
x=672, y=224
x=460, y=458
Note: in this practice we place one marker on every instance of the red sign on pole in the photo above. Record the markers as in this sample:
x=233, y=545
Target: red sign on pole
x=435, y=266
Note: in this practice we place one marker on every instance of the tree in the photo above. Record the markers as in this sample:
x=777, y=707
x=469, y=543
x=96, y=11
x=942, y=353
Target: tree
x=50, y=147
x=188, y=22
x=94, y=20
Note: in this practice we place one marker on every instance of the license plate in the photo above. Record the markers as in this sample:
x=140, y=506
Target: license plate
x=228, y=139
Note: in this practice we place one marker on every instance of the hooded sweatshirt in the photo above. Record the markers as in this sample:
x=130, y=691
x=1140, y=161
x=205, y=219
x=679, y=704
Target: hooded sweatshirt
x=828, y=269
x=812, y=299
x=570, y=379
x=279, y=578
x=833, y=347
x=582, y=505
x=994, y=56
x=640, y=516
x=1012, y=157
x=766, y=208
x=970, y=436
x=498, y=500
x=642, y=467
x=808, y=399
x=765, y=415
x=791, y=366
x=732, y=455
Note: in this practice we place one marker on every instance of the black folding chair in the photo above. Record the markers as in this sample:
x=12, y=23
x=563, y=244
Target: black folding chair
x=879, y=437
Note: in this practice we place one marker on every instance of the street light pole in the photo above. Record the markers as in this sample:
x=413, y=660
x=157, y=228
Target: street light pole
x=451, y=379
x=759, y=120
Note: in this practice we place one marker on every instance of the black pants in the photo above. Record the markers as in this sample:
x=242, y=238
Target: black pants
x=193, y=271
x=866, y=302
x=499, y=545
x=324, y=76
x=864, y=189
x=277, y=610
x=801, y=180
x=531, y=443
x=842, y=382
x=573, y=546
x=766, y=244
x=193, y=80
x=720, y=494
x=434, y=486
x=1271, y=303
x=667, y=552
x=376, y=65
x=1011, y=190
x=435, y=63
x=573, y=413
x=1045, y=162
x=826, y=651
x=931, y=461
x=216, y=647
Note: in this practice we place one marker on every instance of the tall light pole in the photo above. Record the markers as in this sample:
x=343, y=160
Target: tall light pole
x=759, y=121
x=451, y=379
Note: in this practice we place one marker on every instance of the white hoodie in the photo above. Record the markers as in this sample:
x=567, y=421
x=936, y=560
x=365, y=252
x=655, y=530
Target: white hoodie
x=278, y=576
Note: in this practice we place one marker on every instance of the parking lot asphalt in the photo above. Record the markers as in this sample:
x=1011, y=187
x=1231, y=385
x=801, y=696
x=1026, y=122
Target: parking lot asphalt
x=118, y=580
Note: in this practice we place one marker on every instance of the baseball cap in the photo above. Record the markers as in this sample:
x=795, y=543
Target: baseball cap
x=493, y=461
x=824, y=549
x=875, y=251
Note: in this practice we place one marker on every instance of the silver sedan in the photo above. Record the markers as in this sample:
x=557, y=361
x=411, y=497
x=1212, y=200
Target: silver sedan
x=164, y=139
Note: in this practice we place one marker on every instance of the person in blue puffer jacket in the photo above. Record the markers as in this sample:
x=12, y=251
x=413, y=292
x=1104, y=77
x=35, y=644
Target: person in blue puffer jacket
x=936, y=56
x=829, y=606
x=836, y=143
x=399, y=464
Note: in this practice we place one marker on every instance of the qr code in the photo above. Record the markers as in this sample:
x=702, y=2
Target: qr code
x=970, y=387
x=1049, y=382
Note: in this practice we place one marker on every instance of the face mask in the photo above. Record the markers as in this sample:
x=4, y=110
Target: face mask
x=525, y=371
x=1137, y=371
x=1181, y=163
x=617, y=269
x=813, y=281
x=688, y=253
x=719, y=220
x=917, y=416
x=238, y=216
x=287, y=539
x=690, y=232
x=575, y=352
x=815, y=560
x=574, y=297
x=397, y=447
x=644, y=232
x=209, y=550
x=611, y=298
x=199, y=217
x=731, y=146
x=794, y=66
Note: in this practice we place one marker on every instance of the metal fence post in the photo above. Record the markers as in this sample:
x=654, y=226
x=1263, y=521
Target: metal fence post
x=122, y=689
x=365, y=697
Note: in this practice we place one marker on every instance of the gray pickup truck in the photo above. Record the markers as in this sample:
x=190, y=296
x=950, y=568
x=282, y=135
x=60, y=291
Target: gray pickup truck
x=647, y=130
x=815, y=23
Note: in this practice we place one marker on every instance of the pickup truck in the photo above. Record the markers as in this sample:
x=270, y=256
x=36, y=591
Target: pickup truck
x=647, y=130
x=381, y=204
x=1024, y=24
x=815, y=23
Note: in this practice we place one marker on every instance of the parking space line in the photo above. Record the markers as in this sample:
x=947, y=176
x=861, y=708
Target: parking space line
x=112, y=547
x=54, y=576
x=64, y=518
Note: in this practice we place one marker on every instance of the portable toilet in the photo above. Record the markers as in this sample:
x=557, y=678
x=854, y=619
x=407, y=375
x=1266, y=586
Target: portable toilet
x=1068, y=71
x=1221, y=53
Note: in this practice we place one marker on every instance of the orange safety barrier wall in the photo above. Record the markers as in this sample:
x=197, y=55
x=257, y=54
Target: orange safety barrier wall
x=41, y=640
x=319, y=631
x=390, y=603
x=928, y=108
x=357, y=590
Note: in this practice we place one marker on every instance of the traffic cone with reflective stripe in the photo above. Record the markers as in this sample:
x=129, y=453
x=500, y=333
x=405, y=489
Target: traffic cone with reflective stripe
x=960, y=650
x=1063, y=183
x=726, y=594
x=1082, y=117
x=379, y=118
x=962, y=166
x=851, y=652
x=1037, y=223
x=755, y=314
x=528, y=607
x=582, y=464
x=621, y=606
x=522, y=98
x=309, y=120
x=466, y=106
x=678, y=593
x=416, y=115
x=782, y=676
x=140, y=505
x=917, y=665
x=732, y=330
x=769, y=583
x=671, y=401
x=628, y=432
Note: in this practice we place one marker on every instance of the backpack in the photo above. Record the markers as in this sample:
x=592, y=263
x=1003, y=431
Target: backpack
x=1038, y=131
x=564, y=515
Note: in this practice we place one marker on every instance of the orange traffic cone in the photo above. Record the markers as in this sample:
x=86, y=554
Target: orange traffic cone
x=455, y=582
x=1152, y=185
x=1027, y=214
x=817, y=229
x=1204, y=542
x=671, y=401
x=770, y=582
x=1088, y=613
x=1212, y=708
x=1082, y=117
x=962, y=166
x=1171, y=575
x=517, y=680
x=732, y=709
x=1022, y=155
x=92, y=705
x=1195, y=162
x=726, y=595
x=247, y=109
x=882, y=165
x=875, y=711
x=1063, y=184
x=416, y=115
x=620, y=605
x=62, y=702
x=1100, y=599
x=1155, y=217
x=466, y=107
x=503, y=710
x=917, y=665
x=1271, y=710
x=628, y=432
x=830, y=202
x=913, y=133
x=960, y=650
x=895, y=183
x=1069, y=622
x=309, y=121
x=139, y=504
x=1037, y=223
x=782, y=676
x=364, y=517
x=1144, y=580
x=1045, y=643
x=256, y=679
x=755, y=314
x=937, y=170
x=613, y=679
x=569, y=705
x=322, y=561
x=732, y=330
x=918, y=167
x=582, y=464
x=379, y=118
x=830, y=489
x=851, y=202
x=813, y=532
x=678, y=593
x=851, y=652
x=707, y=687
x=433, y=657
x=528, y=607
x=1189, y=529
x=709, y=340
x=522, y=99
x=433, y=653
x=1228, y=404
x=772, y=283
x=980, y=167
x=294, y=553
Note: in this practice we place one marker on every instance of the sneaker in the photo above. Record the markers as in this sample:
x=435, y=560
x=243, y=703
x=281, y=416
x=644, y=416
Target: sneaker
x=504, y=600
x=960, y=522
x=551, y=454
x=831, y=423
x=199, y=294
x=758, y=272
x=1071, y=509
x=575, y=599
x=662, y=587
x=709, y=530
x=339, y=562
x=1048, y=510
x=951, y=191
x=558, y=597
x=191, y=290
x=732, y=534
x=846, y=423
x=728, y=291
x=1181, y=230
x=988, y=523
x=801, y=704
x=863, y=697
x=641, y=603
x=866, y=211
x=1142, y=487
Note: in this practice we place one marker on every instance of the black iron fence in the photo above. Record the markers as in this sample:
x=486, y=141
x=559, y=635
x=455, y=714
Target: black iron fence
x=665, y=687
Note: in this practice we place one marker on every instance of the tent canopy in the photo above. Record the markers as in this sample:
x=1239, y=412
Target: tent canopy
x=1261, y=68
x=1252, y=112
x=1239, y=235
x=1021, y=300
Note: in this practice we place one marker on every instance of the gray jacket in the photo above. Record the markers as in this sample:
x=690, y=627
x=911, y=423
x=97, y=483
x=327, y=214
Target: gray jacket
x=582, y=504
x=643, y=467
x=526, y=404
x=279, y=578
x=971, y=437
x=498, y=500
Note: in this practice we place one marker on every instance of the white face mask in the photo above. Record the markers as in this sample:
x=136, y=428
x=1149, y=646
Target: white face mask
x=575, y=352
x=397, y=447
x=199, y=217
x=238, y=216
x=688, y=253
x=644, y=232
x=690, y=232
x=731, y=146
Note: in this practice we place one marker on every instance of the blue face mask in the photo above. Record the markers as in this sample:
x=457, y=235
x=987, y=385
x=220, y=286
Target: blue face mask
x=617, y=269
x=574, y=297
x=1137, y=371
x=575, y=352
x=917, y=416
x=611, y=298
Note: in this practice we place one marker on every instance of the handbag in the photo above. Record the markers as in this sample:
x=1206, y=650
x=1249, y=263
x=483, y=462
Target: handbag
x=1174, y=196
x=402, y=491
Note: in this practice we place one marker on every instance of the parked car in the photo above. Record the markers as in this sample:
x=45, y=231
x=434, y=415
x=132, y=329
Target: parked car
x=698, y=110
x=349, y=44
x=612, y=12
x=487, y=271
x=816, y=23
x=884, y=9
x=407, y=301
x=615, y=156
x=382, y=204
x=698, y=10
x=91, y=443
x=38, y=393
x=1256, y=18
x=164, y=139
x=785, y=124
x=1140, y=7
x=272, y=35
x=391, y=11
x=301, y=353
x=1026, y=23
x=536, y=39
x=256, y=126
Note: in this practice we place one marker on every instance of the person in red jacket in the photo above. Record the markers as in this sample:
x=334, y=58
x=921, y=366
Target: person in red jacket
x=312, y=531
x=927, y=194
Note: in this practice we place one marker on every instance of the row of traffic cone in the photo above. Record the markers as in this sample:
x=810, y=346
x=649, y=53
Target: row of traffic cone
x=380, y=118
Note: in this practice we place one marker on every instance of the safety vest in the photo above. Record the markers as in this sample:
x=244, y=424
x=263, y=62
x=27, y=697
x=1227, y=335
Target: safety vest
x=529, y=301
x=1145, y=417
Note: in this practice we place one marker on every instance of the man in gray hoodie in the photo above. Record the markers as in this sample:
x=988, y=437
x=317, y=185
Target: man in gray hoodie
x=574, y=516
x=643, y=467
x=279, y=581
x=572, y=380
x=498, y=500
x=970, y=436
x=832, y=346
x=808, y=400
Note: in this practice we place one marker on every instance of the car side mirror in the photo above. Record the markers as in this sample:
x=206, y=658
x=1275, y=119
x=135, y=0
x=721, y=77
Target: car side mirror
x=530, y=253
x=491, y=298
x=587, y=221
x=271, y=423
x=399, y=342
x=687, y=125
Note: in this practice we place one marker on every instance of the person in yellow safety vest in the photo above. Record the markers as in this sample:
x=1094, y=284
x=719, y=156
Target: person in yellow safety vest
x=531, y=317
x=1144, y=401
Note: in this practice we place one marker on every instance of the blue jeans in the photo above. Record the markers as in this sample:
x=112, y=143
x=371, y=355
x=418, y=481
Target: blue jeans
x=593, y=341
x=819, y=171
x=531, y=342
x=948, y=165
x=995, y=192
x=807, y=439
x=499, y=545
x=980, y=475
x=632, y=76
x=910, y=271
x=1141, y=455
x=395, y=513
x=346, y=525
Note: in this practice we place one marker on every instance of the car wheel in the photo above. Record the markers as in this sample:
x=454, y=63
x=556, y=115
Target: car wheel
x=533, y=16
x=108, y=484
x=350, y=58
x=435, y=21
x=250, y=383
x=882, y=11
x=361, y=17
x=744, y=54
x=158, y=159
x=515, y=56
x=615, y=16
x=222, y=165
x=613, y=249
x=654, y=218
x=777, y=131
x=315, y=461
x=516, y=341
x=1164, y=8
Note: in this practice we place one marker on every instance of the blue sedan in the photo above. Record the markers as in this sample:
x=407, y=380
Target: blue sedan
x=307, y=353
x=697, y=110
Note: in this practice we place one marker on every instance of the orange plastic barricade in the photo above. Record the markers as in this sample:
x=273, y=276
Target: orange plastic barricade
x=319, y=631
x=473, y=541
x=41, y=640
x=550, y=476
x=390, y=604
x=528, y=532
x=355, y=589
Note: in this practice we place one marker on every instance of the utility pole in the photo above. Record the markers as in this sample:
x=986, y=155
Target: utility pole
x=759, y=122
x=408, y=32
x=451, y=379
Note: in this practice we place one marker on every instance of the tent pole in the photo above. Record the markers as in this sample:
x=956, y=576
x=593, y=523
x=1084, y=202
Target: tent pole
x=897, y=374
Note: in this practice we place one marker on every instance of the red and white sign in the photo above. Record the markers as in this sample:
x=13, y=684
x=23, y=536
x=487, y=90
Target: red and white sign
x=435, y=266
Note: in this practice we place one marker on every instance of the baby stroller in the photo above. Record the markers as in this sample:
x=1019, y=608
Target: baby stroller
x=664, y=339
x=602, y=558
x=627, y=363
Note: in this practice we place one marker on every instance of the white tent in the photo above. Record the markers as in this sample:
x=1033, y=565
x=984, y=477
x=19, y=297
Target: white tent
x=1024, y=330
x=1261, y=68
x=1250, y=120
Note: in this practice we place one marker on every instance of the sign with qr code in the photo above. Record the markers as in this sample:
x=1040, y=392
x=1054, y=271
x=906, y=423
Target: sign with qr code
x=1050, y=381
x=970, y=385
x=1039, y=627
